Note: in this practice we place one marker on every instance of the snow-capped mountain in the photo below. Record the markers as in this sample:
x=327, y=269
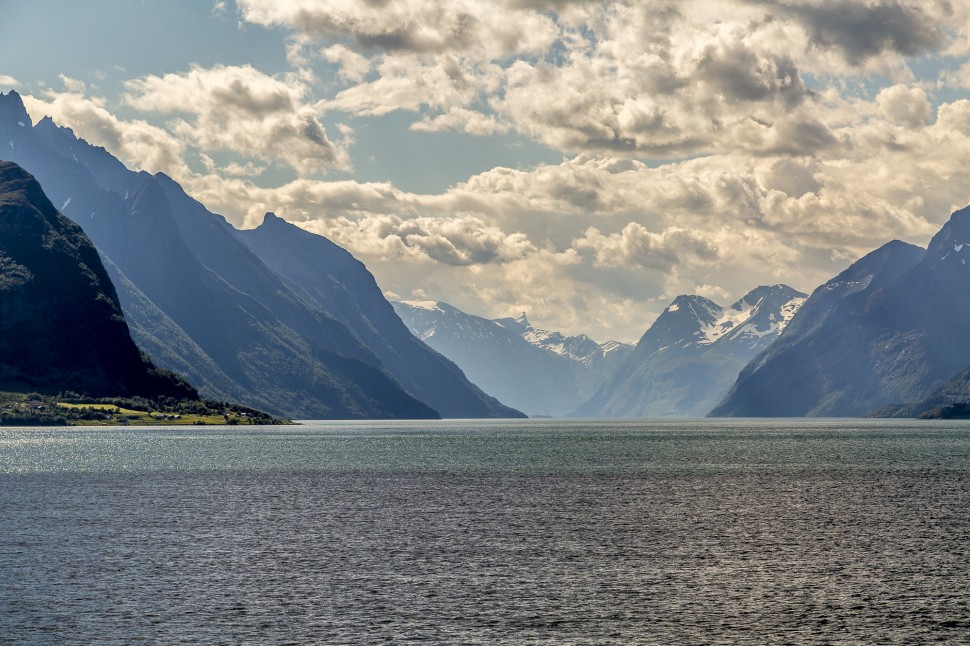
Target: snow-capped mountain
x=579, y=348
x=889, y=330
x=690, y=356
x=538, y=371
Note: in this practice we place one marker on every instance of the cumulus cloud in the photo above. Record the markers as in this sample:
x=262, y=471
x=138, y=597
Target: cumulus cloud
x=656, y=78
x=242, y=110
x=420, y=26
x=635, y=246
x=353, y=66
x=863, y=30
x=462, y=240
x=409, y=83
x=141, y=145
x=905, y=106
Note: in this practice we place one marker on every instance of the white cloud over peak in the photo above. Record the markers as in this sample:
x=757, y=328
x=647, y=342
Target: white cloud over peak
x=142, y=145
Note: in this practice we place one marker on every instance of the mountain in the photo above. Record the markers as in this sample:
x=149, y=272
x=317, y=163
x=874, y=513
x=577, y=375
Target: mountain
x=200, y=301
x=61, y=325
x=692, y=353
x=535, y=370
x=953, y=393
x=331, y=279
x=890, y=329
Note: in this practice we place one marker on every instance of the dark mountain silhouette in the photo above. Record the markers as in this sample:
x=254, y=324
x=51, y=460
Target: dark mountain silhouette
x=197, y=298
x=690, y=356
x=61, y=325
x=890, y=329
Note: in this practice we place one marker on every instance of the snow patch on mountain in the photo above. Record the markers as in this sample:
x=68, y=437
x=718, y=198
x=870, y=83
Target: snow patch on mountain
x=727, y=320
x=433, y=306
x=609, y=347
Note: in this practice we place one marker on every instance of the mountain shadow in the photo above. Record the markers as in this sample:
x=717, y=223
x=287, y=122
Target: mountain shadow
x=61, y=324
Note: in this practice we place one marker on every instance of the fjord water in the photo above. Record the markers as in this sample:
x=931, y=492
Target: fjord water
x=489, y=532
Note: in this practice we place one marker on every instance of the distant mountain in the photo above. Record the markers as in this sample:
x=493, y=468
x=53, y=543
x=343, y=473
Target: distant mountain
x=200, y=301
x=535, y=370
x=331, y=279
x=890, y=329
x=690, y=356
x=61, y=325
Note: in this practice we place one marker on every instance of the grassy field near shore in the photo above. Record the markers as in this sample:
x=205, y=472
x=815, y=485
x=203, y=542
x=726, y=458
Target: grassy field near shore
x=33, y=409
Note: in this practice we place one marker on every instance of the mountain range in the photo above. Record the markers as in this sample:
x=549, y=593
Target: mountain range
x=886, y=336
x=301, y=336
x=693, y=352
x=284, y=320
x=538, y=371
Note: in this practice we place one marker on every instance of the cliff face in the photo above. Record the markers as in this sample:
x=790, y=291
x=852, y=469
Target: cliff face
x=61, y=326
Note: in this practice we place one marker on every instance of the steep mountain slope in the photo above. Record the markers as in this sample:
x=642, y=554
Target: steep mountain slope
x=61, y=325
x=890, y=329
x=540, y=372
x=198, y=299
x=954, y=392
x=689, y=357
x=330, y=278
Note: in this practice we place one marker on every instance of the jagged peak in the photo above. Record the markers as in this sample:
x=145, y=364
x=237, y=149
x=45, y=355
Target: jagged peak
x=519, y=324
x=956, y=232
x=47, y=124
x=777, y=294
x=12, y=105
x=691, y=303
x=271, y=220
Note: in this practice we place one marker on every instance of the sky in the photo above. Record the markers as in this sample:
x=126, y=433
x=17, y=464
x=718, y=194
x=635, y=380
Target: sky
x=582, y=162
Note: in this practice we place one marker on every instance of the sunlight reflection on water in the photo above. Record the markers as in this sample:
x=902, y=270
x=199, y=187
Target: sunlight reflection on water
x=488, y=532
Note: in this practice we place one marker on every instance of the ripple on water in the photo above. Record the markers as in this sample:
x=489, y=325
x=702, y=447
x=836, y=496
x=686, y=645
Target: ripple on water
x=752, y=535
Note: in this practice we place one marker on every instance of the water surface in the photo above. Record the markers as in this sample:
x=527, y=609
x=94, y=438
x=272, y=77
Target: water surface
x=488, y=532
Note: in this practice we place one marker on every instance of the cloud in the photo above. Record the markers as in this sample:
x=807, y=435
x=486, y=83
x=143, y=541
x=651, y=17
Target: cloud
x=635, y=246
x=460, y=240
x=959, y=78
x=862, y=30
x=657, y=78
x=242, y=110
x=409, y=83
x=905, y=106
x=140, y=145
x=8, y=81
x=353, y=66
x=417, y=26
x=462, y=119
